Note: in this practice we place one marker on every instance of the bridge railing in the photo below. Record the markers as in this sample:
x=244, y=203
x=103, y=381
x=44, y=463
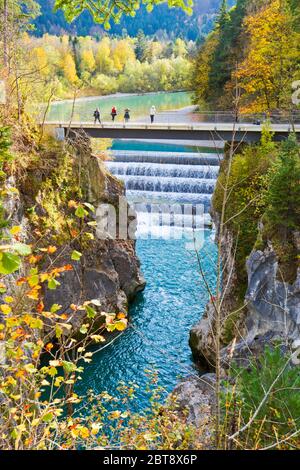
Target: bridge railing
x=185, y=116
x=229, y=117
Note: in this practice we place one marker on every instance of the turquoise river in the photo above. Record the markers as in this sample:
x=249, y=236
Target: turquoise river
x=175, y=296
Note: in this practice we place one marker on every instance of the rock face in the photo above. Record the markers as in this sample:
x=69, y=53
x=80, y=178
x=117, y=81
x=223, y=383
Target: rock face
x=108, y=269
x=271, y=313
x=108, y=272
x=201, y=335
x=273, y=306
x=196, y=396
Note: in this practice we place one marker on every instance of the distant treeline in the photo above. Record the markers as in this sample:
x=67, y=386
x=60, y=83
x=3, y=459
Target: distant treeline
x=111, y=65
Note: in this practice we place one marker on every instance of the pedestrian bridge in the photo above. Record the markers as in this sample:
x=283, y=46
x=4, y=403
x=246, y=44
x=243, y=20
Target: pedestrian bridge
x=213, y=131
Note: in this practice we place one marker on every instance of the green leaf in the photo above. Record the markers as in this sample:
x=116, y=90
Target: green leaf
x=55, y=308
x=47, y=418
x=53, y=283
x=9, y=263
x=83, y=330
x=58, y=331
x=33, y=280
x=69, y=366
x=76, y=255
x=90, y=311
x=81, y=212
x=22, y=249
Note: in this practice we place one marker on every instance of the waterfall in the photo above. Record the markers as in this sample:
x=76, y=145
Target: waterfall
x=181, y=178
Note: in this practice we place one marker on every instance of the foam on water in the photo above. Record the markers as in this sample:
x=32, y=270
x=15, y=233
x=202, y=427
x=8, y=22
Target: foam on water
x=165, y=170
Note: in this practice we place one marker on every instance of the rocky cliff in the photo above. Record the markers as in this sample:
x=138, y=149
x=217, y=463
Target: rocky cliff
x=271, y=309
x=108, y=269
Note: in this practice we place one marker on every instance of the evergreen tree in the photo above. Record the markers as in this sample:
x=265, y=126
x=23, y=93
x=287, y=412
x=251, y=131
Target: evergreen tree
x=228, y=50
x=283, y=213
x=73, y=41
x=141, y=46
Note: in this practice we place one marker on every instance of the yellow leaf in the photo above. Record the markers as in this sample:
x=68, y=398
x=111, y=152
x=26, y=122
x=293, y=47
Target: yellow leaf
x=6, y=309
x=95, y=428
x=84, y=432
x=15, y=230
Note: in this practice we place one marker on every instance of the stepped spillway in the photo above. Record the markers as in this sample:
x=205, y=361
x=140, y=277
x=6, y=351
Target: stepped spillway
x=167, y=178
x=177, y=158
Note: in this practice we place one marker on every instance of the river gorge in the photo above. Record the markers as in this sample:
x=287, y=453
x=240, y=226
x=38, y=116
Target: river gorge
x=175, y=295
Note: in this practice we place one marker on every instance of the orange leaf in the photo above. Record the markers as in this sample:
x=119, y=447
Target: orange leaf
x=72, y=203
x=67, y=267
x=51, y=249
x=40, y=306
x=121, y=315
x=49, y=346
x=20, y=374
x=34, y=259
x=33, y=293
x=74, y=232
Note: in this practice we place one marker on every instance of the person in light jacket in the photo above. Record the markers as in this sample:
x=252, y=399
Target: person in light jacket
x=152, y=113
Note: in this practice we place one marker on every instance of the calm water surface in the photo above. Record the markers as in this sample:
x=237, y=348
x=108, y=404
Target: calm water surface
x=138, y=104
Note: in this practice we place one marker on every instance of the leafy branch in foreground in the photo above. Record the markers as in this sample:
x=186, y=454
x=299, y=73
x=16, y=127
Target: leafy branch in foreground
x=103, y=11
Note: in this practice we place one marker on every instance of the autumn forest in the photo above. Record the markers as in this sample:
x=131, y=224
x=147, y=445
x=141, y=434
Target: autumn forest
x=149, y=228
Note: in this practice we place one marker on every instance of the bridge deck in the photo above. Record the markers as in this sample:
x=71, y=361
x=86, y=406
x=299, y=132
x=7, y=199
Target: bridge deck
x=190, y=131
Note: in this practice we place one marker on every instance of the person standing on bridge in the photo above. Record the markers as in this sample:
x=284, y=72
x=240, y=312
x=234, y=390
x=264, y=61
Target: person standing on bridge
x=126, y=115
x=113, y=113
x=97, y=115
x=152, y=113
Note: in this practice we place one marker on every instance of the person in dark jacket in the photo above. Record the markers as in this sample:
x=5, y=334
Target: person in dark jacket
x=97, y=115
x=126, y=115
x=113, y=113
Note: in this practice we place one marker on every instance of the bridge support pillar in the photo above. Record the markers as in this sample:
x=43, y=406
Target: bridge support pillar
x=59, y=133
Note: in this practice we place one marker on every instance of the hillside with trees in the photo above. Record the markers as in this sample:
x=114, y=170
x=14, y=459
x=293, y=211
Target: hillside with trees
x=163, y=22
x=65, y=289
x=251, y=56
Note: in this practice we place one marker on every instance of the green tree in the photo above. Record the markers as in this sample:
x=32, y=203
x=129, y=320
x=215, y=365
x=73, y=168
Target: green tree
x=283, y=212
x=141, y=47
x=228, y=50
x=104, y=11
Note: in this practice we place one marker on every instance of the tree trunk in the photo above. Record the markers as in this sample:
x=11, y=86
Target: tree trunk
x=5, y=33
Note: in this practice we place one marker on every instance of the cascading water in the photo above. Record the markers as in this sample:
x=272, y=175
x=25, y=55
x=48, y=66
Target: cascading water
x=166, y=177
